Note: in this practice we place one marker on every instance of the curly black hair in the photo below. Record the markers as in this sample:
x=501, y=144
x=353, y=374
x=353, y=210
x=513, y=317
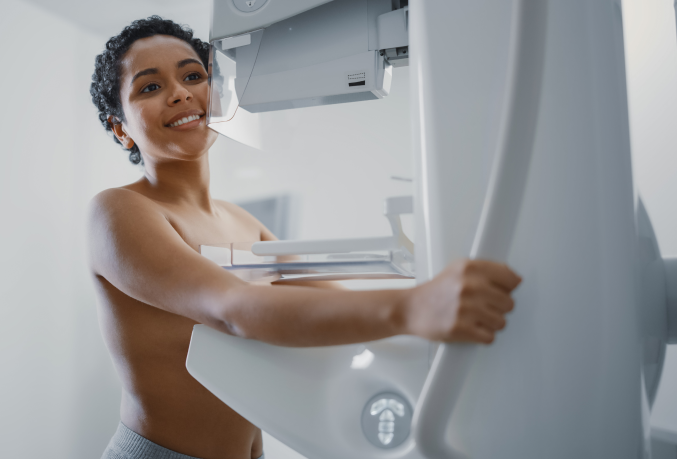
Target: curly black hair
x=105, y=87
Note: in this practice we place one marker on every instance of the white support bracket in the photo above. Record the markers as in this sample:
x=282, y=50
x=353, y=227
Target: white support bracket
x=393, y=208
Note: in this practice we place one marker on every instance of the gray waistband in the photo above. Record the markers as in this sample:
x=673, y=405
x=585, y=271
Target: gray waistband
x=127, y=444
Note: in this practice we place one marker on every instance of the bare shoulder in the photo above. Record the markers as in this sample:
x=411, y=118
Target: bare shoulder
x=119, y=214
x=119, y=201
x=115, y=206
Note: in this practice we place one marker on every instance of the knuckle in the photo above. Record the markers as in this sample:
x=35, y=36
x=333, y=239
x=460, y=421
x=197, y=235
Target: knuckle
x=456, y=326
x=467, y=290
x=458, y=329
x=465, y=311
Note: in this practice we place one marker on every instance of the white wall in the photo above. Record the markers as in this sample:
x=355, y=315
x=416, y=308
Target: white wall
x=59, y=394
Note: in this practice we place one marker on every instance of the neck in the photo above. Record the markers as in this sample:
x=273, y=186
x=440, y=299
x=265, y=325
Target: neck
x=182, y=182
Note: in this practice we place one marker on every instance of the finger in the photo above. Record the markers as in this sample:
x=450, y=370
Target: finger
x=471, y=332
x=497, y=299
x=499, y=274
x=481, y=335
x=489, y=318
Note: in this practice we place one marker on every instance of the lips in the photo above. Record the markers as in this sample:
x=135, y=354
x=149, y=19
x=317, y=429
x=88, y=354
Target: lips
x=185, y=117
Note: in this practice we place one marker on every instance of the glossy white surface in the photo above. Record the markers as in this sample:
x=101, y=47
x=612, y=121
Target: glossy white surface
x=564, y=374
x=502, y=205
x=309, y=398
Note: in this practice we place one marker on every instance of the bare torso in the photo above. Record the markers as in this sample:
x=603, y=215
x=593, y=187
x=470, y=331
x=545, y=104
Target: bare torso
x=161, y=401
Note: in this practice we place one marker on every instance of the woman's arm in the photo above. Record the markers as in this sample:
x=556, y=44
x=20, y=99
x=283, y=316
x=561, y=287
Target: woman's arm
x=135, y=248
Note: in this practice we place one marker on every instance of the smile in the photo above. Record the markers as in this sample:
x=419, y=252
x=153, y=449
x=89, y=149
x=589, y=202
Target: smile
x=185, y=120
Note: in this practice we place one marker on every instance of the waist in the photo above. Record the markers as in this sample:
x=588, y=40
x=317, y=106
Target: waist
x=198, y=425
x=130, y=445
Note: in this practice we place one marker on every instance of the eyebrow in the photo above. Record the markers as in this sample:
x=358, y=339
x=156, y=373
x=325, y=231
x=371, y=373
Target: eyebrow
x=153, y=71
x=144, y=72
x=190, y=60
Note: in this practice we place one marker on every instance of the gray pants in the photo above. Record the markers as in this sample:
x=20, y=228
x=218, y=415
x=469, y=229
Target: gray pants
x=127, y=444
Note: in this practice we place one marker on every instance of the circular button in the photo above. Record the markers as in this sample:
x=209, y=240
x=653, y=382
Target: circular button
x=249, y=6
x=386, y=420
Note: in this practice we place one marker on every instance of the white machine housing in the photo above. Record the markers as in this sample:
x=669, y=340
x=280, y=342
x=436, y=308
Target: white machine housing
x=303, y=60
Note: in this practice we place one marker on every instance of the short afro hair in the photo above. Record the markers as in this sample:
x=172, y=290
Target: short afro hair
x=105, y=87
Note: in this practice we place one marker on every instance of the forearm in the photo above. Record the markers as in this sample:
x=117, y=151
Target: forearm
x=333, y=285
x=298, y=316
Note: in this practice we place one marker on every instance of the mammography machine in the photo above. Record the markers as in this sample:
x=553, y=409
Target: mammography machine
x=537, y=90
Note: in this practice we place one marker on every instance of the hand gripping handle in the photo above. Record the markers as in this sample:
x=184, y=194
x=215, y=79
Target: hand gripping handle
x=499, y=216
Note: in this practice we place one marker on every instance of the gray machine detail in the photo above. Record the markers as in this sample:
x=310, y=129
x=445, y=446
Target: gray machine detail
x=386, y=420
x=249, y=6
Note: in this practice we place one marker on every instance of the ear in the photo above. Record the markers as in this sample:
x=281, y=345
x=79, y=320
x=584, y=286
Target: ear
x=119, y=132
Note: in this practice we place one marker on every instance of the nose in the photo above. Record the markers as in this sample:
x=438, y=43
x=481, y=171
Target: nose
x=179, y=94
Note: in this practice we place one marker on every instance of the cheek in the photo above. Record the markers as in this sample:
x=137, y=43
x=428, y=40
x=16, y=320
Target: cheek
x=142, y=118
x=201, y=93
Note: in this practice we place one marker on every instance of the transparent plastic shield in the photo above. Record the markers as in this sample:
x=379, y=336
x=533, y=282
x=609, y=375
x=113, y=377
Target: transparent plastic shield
x=231, y=62
x=238, y=258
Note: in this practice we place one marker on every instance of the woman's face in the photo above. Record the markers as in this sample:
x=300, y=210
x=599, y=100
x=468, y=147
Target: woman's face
x=163, y=81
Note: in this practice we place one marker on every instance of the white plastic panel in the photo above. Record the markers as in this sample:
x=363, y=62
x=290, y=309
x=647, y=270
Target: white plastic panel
x=376, y=8
x=227, y=20
x=319, y=57
x=311, y=397
x=332, y=31
x=321, y=84
x=393, y=29
x=564, y=378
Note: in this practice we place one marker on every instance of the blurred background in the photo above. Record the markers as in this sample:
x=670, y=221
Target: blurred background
x=318, y=172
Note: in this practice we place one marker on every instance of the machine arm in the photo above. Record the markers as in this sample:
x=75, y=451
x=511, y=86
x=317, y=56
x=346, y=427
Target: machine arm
x=499, y=217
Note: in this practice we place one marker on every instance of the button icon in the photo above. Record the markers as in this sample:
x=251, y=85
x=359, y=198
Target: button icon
x=386, y=420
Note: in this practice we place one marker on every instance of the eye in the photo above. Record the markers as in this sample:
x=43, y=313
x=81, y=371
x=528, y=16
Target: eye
x=193, y=77
x=150, y=88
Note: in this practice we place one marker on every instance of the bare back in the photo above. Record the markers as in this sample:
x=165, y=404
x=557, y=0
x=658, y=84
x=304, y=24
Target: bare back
x=161, y=401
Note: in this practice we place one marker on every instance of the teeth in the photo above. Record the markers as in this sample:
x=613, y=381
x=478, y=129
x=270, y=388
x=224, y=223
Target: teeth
x=187, y=119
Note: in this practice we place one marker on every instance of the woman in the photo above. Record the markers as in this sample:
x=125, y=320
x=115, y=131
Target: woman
x=151, y=89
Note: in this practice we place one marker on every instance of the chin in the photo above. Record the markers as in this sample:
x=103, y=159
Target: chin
x=194, y=146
